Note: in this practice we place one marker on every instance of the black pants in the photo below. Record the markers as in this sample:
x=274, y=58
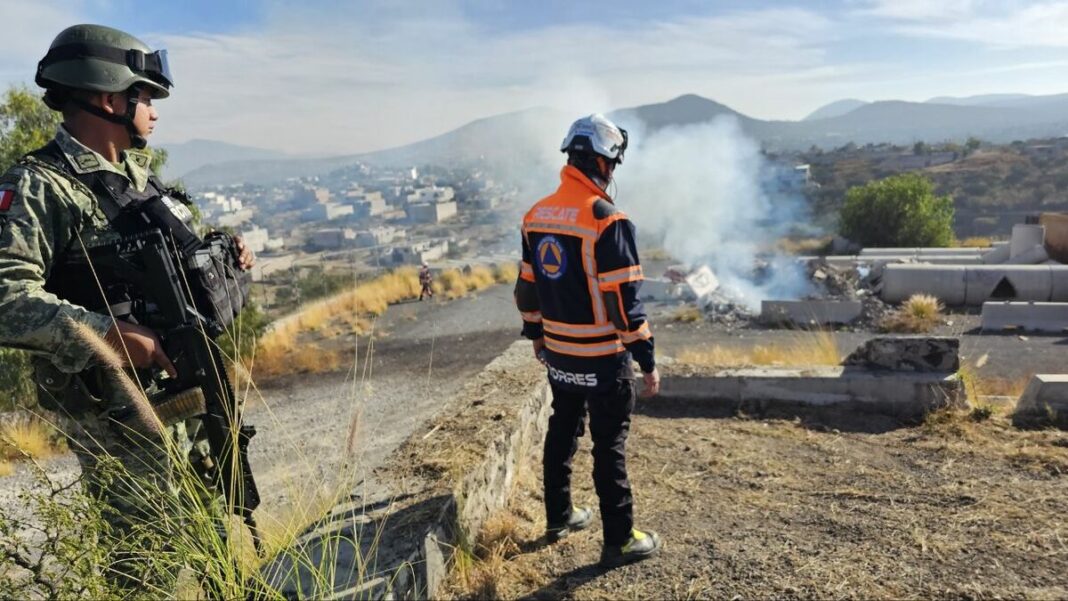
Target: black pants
x=609, y=425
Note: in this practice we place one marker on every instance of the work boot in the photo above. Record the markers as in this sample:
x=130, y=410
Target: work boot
x=579, y=519
x=642, y=545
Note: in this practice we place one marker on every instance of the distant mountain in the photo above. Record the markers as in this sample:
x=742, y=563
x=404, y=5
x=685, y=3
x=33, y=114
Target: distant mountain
x=514, y=143
x=188, y=156
x=981, y=100
x=835, y=109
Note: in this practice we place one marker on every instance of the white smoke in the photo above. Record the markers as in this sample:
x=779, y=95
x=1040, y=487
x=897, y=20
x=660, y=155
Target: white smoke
x=700, y=191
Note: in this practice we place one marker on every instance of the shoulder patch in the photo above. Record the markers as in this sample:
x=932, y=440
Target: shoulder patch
x=87, y=162
x=140, y=159
x=603, y=209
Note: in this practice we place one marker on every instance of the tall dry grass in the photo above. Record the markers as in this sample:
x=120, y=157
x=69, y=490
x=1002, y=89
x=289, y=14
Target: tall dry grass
x=805, y=349
x=27, y=436
x=920, y=314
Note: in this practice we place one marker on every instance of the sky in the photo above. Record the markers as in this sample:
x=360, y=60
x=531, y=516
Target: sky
x=320, y=77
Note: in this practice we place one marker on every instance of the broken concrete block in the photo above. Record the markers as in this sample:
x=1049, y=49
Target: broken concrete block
x=908, y=354
x=1026, y=236
x=998, y=255
x=810, y=311
x=1044, y=402
x=702, y=281
x=1039, y=317
x=1034, y=256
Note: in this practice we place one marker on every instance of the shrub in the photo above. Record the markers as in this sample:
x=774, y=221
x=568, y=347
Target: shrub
x=919, y=314
x=902, y=210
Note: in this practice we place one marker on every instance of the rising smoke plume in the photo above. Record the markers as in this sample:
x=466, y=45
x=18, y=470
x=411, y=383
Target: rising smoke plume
x=704, y=193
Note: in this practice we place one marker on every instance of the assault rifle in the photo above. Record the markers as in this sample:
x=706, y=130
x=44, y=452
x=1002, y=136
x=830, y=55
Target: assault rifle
x=180, y=300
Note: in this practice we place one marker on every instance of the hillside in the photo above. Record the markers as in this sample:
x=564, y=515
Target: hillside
x=992, y=188
x=515, y=140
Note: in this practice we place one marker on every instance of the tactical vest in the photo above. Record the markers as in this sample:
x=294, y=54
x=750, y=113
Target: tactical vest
x=218, y=287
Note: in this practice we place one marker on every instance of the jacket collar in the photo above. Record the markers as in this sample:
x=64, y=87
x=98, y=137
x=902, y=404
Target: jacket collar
x=571, y=176
x=134, y=165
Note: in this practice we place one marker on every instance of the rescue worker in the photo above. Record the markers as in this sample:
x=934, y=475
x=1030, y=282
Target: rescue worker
x=54, y=204
x=426, y=280
x=578, y=295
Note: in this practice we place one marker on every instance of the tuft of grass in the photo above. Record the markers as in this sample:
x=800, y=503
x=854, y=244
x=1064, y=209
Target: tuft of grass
x=688, y=314
x=26, y=436
x=803, y=246
x=975, y=242
x=6, y=468
x=919, y=314
x=813, y=348
x=506, y=273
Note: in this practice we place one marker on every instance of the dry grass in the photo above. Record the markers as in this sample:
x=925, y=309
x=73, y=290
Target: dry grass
x=803, y=246
x=688, y=314
x=27, y=436
x=805, y=349
x=6, y=468
x=506, y=273
x=285, y=350
x=975, y=242
x=919, y=314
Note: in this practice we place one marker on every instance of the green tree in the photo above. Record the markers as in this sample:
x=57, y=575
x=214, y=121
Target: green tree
x=920, y=149
x=25, y=124
x=902, y=210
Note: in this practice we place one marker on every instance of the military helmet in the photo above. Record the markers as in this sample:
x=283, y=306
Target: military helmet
x=102, y=59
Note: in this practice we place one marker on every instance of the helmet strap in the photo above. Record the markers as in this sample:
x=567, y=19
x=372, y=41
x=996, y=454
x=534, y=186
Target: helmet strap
x=126, y=119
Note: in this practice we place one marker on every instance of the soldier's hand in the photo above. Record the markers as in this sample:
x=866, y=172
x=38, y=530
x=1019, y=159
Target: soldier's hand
x=652, y=383
x=139, y=346
x=245, y=259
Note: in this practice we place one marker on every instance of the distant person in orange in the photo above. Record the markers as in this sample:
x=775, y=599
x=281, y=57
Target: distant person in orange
x=578, y=295
x=426, y=280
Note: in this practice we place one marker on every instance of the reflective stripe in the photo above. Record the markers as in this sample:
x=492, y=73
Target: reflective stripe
x=642, y=333
x=627, y=274
x=561, y=228
x=531, y=316
x=589, y=263
x=526, y=272
x=585, y=350
x=569, y=329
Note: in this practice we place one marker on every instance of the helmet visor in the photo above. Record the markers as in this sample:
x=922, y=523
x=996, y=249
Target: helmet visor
x=154, y=66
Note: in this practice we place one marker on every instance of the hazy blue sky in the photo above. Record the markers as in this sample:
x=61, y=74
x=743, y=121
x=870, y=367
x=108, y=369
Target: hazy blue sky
x=332, y=76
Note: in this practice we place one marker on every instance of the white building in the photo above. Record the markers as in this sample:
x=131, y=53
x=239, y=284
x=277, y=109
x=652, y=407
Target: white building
x=431, y=212
x=377, y=236
x=431, y=194
x=257, y=240
x=331, y=238
x=327, y=211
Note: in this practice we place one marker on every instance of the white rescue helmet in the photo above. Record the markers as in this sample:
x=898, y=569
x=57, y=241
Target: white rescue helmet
x=596, y=134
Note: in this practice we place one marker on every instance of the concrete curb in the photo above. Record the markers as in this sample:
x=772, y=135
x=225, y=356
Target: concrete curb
x=439, y=488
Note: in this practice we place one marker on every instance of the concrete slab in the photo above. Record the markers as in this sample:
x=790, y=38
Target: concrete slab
x=810, y=311
x=907, y=396
x=1038, y=317
x=1026, y=236
x=1044, y=402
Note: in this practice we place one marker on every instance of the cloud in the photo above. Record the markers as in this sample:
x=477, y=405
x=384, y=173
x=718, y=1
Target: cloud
x=998, y=24
x=29, y=29
x=342, y=82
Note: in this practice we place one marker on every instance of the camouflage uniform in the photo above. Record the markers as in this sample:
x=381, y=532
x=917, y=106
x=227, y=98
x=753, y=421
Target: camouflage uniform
x=44, y=214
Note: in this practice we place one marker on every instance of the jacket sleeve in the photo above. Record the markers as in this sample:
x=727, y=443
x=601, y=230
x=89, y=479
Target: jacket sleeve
x=37, y=221
x=620, y=278
x=526, y=295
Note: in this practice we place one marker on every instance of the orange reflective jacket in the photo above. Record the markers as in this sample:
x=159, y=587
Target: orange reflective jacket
x=578, y=285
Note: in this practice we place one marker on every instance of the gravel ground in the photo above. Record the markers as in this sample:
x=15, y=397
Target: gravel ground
x=775, y=509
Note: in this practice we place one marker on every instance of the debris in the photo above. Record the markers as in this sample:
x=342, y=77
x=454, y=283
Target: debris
x=908, y=353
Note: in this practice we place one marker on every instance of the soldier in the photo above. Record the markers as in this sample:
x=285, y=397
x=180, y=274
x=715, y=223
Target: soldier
x=57, y=202
x=426, y=281
x=578, y=295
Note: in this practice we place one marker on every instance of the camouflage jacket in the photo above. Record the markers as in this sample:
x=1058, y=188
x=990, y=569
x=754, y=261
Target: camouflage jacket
x=44, y=214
